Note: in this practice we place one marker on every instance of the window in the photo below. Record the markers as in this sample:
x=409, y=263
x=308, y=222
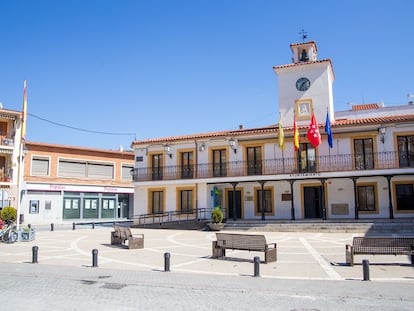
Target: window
x=268, y=200
x=126, y=172
x=405, y=197
x=306, y=158
x=405, y=151
x=34, y=207
x=254, y=160
x=366, y=198
x=40, y=166
x=364, y=154
x=186, y=200
x=80, y=169
x=157, y=201
x=187, y=164
x=156, y=166
x=219, y=163
x=71, y=208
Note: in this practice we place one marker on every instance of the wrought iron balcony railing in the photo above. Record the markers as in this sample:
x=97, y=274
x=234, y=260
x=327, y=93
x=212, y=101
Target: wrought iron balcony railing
x=327, y=163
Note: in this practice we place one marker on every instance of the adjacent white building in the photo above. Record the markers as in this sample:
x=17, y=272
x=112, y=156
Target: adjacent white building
x=367, y=173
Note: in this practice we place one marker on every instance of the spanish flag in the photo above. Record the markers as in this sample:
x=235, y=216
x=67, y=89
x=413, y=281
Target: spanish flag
x=295, y=135
x=24, y=116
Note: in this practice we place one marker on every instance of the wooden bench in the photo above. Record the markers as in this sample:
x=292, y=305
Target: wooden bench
x=246, y=242
x=379, y=246
x=122, y=234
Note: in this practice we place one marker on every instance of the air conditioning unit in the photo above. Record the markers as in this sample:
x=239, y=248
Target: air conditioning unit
x=7, y=142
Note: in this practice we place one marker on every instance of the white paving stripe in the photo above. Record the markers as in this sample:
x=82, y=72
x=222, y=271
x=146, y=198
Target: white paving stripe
x=321, y=261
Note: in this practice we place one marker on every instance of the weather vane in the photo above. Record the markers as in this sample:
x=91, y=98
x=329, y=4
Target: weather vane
x=303, y=35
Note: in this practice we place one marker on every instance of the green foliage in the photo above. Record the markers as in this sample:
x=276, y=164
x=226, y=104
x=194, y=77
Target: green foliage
x=217, y=215
x=8, y=213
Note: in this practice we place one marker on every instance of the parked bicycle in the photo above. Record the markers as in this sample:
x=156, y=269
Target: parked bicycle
x=9, y=234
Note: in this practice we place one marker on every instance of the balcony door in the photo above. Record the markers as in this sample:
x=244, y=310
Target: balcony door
x=254, y=160
x=306, y=158
x=187, y=164
x=219, y=163
x=156, y=166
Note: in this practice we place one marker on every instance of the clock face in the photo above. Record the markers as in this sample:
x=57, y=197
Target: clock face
x=302, y=84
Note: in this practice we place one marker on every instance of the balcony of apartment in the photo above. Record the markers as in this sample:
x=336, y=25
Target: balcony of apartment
x=304, y=165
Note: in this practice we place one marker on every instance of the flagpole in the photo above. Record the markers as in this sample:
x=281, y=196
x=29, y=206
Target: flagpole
x=20, y=168
x=19, y=184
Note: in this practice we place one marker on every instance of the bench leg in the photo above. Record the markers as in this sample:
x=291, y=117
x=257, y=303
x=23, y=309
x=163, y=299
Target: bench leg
x=115, y=240
x=270, y=255
x=349, y=255
x=217, y=251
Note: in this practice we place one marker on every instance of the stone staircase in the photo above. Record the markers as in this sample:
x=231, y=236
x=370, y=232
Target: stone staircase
x=375, y=227
x=399, y=226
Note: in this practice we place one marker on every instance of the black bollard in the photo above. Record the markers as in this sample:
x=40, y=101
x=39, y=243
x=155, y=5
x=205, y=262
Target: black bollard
x=256, y=261
x=365, y=269
x=35, y=251
x=52, y=227
x=94, y=257
x=73, y=226
x=167, y=262
x=93, y=225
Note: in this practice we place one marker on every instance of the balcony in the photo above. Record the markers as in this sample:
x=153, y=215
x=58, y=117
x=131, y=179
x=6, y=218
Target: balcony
x=320, y=164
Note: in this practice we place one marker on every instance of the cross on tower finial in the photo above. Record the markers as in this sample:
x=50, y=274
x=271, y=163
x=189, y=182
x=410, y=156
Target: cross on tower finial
x=303, y=35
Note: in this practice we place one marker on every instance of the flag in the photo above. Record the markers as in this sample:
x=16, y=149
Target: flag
x=281, y=137
x=295, y=135
x=328, y=130
x=24, y=114
x=313, y=132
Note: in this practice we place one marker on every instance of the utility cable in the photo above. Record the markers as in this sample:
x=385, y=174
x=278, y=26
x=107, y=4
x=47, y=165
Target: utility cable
x=80, y=129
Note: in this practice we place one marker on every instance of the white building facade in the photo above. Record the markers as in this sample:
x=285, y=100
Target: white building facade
x=368, y=172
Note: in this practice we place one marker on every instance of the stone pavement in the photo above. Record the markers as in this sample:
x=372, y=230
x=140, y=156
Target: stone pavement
x=305, y=255
x=309, y=266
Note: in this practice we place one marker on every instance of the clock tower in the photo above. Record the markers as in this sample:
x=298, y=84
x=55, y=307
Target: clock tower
x=305, y=85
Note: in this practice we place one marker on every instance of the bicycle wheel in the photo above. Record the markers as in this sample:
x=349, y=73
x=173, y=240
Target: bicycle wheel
x=13, y=237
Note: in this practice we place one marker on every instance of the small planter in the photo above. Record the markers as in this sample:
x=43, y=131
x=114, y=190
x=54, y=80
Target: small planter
x=216, y=227
x=26, y=235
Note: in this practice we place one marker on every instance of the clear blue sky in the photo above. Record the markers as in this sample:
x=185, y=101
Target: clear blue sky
x=165, y=68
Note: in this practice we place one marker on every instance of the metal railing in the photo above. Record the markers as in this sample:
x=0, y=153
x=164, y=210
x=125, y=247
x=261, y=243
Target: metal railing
x=319, y=164
x=165, y=217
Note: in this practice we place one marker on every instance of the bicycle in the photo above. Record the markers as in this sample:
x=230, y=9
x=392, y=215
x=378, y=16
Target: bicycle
x=9, y=234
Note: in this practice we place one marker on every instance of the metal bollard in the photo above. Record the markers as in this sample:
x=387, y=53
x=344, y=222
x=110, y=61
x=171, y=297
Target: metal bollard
x=365, y=269
x=94, y=257
x=73, y=226
x=93, y=225
x=167, y=262
x=256, y=261
x=35, y=251
x=52, y=227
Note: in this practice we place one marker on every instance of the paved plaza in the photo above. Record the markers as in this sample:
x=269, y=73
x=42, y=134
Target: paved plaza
x=310, y=265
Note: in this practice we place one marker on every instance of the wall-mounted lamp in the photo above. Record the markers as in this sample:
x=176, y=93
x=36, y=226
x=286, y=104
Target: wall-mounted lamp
x=381, y=131
x=167, y=149
x=202, y=147
x=232, y=143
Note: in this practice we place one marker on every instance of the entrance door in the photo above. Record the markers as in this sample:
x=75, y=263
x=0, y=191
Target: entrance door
x=230, y=204
x=313, y=202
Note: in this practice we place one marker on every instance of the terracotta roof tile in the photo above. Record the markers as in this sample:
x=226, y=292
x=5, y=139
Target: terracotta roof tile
x=365, y=107
x=274, y=129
